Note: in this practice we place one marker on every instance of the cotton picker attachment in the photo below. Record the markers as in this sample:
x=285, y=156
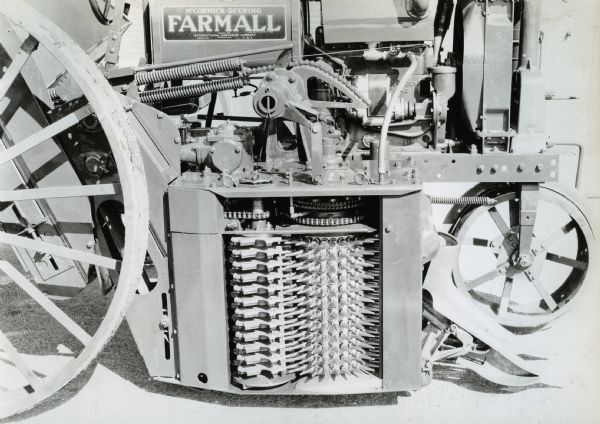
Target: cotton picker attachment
x=251, y=195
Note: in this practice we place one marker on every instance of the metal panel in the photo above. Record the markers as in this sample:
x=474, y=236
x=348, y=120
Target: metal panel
x=531, y=136
x=174, y=50
x=157, y=141
x=85, y=29
x=498, y=55
x=402, y=292
x=201, y=310
x=496, y=167
x=297, y=188
x=151, y=323
x=349, y=21
x=193, y=210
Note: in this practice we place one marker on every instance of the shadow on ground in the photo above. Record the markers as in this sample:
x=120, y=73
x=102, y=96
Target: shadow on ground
x=121, y=356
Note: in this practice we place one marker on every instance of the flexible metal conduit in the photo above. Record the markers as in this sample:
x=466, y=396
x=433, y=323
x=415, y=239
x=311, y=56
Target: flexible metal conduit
x=189, y=71
x=383, y=143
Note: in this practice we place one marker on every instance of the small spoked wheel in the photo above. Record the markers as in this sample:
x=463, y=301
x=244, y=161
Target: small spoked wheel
x=73, y=204
x=524, y=290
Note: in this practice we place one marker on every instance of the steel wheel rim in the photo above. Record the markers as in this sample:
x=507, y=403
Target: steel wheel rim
x=105, y=103
x=519, y=316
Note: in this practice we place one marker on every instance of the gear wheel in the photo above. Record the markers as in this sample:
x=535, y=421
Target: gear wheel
x=329, y=212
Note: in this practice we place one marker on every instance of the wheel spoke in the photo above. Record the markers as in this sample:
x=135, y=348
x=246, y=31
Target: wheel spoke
x=499, y=221
x=513, y=211
x=18, y=61
x=475, y=241
x=504, y=301
x=546, y=296
x=60, y=192
x=563, y=231
x=560, y=233
x=473, y=284
x=44, y=134
x=53, y=249
x=18, y=361
x=573, y=263
x=57, y=313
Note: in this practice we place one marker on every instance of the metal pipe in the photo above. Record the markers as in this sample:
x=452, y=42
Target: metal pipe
x=383, y=141
x=274, y=48
x=529, y=57
x=441, y=24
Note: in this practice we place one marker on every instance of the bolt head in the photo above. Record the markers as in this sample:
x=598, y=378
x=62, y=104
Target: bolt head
x=524, y=261
x=164, y=324
x=539, y=168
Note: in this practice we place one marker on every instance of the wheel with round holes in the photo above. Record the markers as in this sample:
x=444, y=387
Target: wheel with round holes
x=51, y=329
x=524, y=293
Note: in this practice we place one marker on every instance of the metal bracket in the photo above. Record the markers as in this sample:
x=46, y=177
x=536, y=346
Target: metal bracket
x=113, y=44
x=530, y=195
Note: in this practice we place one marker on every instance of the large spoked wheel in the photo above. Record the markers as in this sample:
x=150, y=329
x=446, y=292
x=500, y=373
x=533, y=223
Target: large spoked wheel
x=524, y=292
x=50, y=332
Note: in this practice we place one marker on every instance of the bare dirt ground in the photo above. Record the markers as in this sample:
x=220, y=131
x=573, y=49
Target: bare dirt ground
x=117, y=389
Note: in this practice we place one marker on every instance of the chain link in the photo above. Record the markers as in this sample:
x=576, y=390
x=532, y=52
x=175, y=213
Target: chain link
x=247, y=215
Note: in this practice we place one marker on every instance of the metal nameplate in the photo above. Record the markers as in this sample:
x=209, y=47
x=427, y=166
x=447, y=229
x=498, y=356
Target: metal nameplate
x=201, y=23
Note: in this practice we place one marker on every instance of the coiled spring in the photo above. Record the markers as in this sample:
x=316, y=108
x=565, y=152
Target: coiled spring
x=464, y=201
x=189, y=71
x=193, y=90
